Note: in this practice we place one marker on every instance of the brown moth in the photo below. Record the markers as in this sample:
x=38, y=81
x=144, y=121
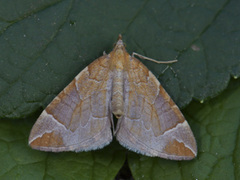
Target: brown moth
x=80, y=117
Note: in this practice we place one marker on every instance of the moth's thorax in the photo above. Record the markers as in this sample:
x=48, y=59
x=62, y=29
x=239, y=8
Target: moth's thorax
x=119, y=58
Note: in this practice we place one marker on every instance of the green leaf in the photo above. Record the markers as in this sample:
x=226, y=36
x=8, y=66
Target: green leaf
x=44, y=44
x=217, y=130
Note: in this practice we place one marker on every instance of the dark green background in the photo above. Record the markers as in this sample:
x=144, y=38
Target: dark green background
x=44, y=44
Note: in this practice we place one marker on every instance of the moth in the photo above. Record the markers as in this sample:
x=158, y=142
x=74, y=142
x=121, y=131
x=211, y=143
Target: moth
x=80, y=118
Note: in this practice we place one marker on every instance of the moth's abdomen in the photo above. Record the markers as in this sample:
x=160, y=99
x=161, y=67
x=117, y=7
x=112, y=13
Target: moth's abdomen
x=117, y=93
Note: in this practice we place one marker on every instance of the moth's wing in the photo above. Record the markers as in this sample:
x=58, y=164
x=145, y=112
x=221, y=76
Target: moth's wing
x=79, y=118
x=152, y=123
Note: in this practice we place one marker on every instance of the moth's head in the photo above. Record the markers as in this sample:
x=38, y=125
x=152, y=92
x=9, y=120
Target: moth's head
x=119, y=44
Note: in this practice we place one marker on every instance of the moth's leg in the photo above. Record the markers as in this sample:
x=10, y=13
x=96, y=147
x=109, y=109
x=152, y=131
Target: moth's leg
x=175, y=74
x=156, y=61
x=153, y=60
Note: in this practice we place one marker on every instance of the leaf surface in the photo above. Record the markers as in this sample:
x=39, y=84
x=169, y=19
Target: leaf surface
x=44, y=44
